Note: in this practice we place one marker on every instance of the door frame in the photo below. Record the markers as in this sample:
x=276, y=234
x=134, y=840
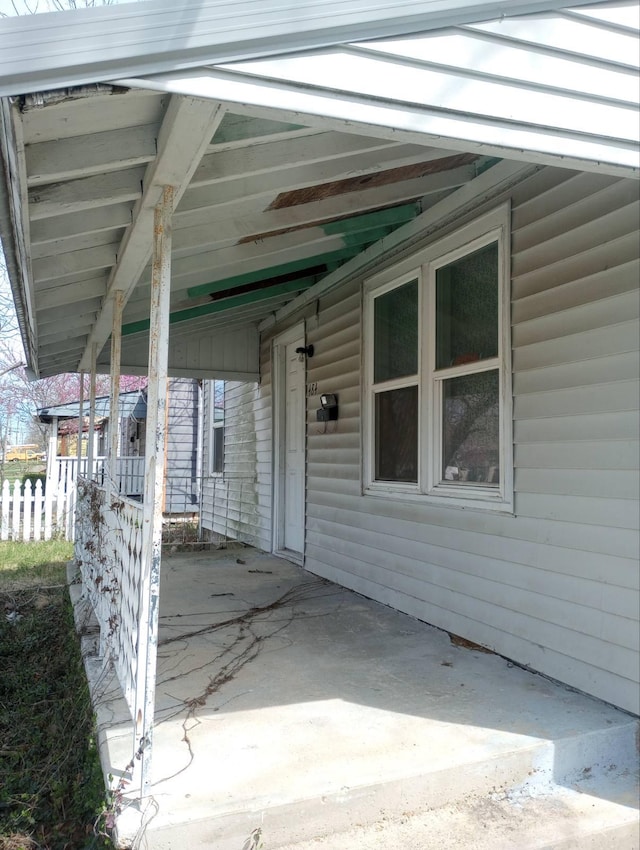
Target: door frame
x=278, y=363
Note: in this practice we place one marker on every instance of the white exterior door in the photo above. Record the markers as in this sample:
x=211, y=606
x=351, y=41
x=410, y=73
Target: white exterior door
x=290, y=435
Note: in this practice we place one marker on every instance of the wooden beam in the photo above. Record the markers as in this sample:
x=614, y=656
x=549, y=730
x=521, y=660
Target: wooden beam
x=85, y=193
x=87, y=260
x=96, y=220
x=84, y=156
x=81, y=242
x=55, y=316
x=185, y=135
x=248, y=228
x=94, y=287
x=82, y=329
x=226, y=304
x=266, y=156
x=272, y=183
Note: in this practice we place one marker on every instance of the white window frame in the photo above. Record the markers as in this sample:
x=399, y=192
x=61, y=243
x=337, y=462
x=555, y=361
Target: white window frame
x=491, y=227
x=213, y=425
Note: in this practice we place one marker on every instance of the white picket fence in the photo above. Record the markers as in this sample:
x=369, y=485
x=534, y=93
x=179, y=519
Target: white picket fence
x=27, y=513
x=34, y=513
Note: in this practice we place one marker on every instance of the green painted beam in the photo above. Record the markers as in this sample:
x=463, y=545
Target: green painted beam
x=225, y=304
x=271, y=271
x=390, y=217
x=235, y=128
x=365, y=237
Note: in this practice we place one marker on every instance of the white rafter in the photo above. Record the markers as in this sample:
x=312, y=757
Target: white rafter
x=185, y=135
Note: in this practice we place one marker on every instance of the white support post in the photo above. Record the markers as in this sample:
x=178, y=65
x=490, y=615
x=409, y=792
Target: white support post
x=114, y=400
x=80, y=426
x=154, y=482
x=92, y=413
x=53, y=470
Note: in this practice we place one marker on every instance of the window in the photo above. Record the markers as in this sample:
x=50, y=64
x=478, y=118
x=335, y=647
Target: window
x=438, y=414
x=216, y=441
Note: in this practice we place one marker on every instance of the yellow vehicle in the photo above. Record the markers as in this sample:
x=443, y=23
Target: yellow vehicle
x=25, y=453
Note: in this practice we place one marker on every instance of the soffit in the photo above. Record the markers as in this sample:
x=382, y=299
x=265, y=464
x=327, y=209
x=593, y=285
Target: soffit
x=288, y=167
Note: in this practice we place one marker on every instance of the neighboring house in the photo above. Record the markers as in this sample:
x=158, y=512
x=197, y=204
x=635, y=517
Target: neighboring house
x=182, y=428
x=407, y=241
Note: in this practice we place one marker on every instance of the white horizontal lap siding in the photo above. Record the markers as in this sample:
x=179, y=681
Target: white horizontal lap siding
x=554, y=587
x=240, y=512
x=333, y=448
x=182, y=429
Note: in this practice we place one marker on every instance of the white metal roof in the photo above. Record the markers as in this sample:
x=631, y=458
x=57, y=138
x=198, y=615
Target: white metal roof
x=285, y=167
x=74, y=47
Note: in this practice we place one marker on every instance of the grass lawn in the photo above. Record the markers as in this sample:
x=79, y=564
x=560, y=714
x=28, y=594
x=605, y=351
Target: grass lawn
x=51, y=787
x=18, y=469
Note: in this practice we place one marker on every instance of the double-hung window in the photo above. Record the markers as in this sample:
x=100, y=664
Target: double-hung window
x=216, y=433
x=438, y=386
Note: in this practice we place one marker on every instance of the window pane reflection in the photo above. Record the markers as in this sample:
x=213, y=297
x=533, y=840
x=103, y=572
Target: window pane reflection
x=396, y=333
x=470, y=428
x=396, y=438
x=467, y=309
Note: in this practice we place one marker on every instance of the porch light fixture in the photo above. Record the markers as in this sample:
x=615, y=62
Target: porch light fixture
x=305, y=351
x=328, y=408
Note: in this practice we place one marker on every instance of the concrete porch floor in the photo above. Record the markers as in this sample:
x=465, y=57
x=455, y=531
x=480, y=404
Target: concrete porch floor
x=293, y=710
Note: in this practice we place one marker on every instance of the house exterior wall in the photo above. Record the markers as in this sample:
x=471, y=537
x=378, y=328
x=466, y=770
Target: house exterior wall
x=555, y=585
x=181, y=462
x=237, y=504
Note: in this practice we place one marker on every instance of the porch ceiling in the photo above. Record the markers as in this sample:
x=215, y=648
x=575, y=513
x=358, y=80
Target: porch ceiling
x=285, y=169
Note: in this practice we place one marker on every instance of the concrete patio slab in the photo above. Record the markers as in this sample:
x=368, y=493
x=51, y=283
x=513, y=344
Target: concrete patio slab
x=293, y=711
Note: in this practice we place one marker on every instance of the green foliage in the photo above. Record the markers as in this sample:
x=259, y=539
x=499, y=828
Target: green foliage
x=33, y=477
x=51, y=785
x=21, y=470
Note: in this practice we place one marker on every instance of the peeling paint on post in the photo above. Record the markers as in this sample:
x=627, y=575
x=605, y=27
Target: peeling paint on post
x=92, y=411
x=116, y=347
x=80, y=424
x=153, y=485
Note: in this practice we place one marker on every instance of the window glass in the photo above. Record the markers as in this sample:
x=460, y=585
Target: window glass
x=218, y=447
x=467, y=309
x=396, y=435
x=216, y=460
x=396, y=333
x=470, y=428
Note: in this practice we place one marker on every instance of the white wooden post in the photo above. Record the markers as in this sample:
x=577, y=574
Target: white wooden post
x=16, y=509
x=114, y=401
x=80, y=424
x=27, y=507
x=92, y=412
x=53, y=471
x=37, y=511
x=6, y=501
x=154, y=481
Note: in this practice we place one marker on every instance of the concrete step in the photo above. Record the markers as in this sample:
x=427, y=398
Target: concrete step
x=578, y=793
x=592, y=816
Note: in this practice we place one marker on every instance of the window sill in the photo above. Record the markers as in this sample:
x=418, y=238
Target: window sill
x=481, y=501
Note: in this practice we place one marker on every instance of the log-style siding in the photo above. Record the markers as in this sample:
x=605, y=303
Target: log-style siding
x=555, y=586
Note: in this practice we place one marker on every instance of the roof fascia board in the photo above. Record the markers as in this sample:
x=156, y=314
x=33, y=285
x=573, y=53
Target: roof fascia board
x=80, y=46
x=14, y=228
x=490, y=185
